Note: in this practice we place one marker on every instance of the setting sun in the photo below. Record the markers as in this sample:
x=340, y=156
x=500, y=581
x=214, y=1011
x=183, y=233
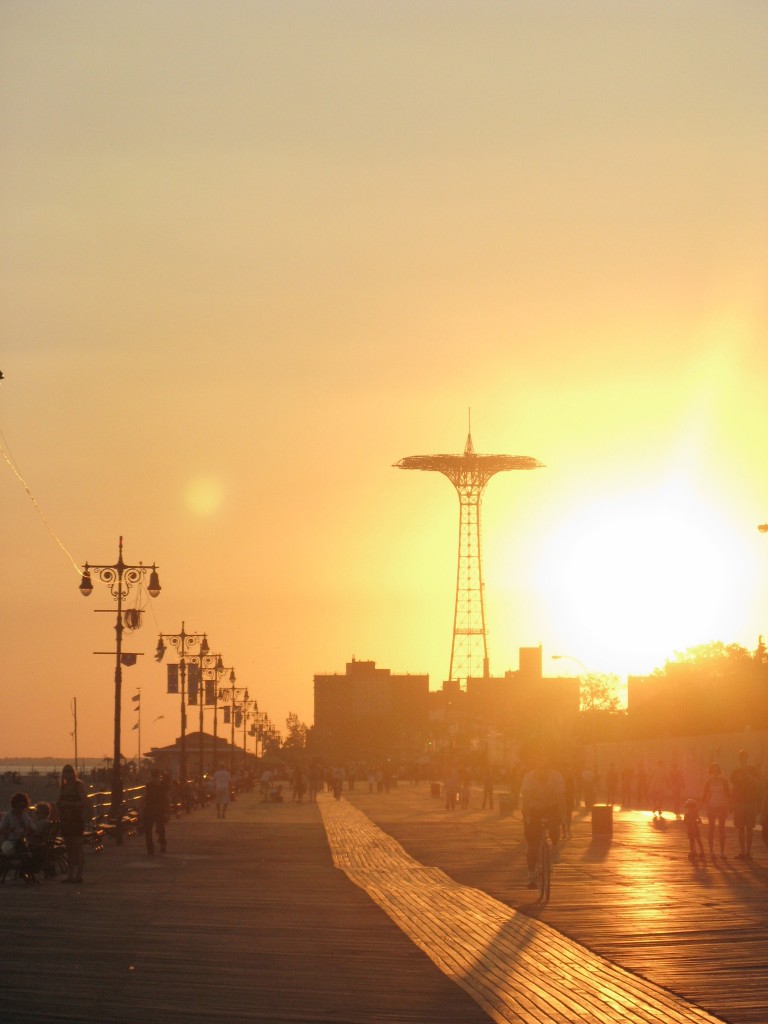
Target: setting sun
x=643, y=574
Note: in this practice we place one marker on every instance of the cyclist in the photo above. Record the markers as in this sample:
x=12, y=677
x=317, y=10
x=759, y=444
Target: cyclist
x=542, y=796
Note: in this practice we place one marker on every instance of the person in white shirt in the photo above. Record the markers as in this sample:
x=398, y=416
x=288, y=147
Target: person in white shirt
x=542, y=796
x=221, y=783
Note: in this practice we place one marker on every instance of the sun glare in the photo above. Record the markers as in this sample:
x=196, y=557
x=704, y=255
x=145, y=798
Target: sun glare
x=203, y=496
x=640, y=577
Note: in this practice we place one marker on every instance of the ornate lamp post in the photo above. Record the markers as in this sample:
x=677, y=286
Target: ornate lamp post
x=192, y=648
x=120, y=578
x=210, y=667
x=250, y=714
x=233, y=694
x=220, y=669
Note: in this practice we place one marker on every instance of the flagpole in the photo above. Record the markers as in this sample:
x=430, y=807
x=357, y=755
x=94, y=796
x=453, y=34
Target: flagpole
x=74, y=732
x=137, y=699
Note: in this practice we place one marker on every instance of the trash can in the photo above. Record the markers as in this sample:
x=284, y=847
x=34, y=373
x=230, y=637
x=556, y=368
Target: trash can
x=602, y=819
x=506, y=805
x=435, y=789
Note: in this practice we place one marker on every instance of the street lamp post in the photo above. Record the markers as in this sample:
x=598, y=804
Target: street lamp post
x=217, y=693
x=233, y=694
x=120, y=578
x=185, y=643
x=249, y=714
x=570, y=657
x=584, y=674
x=210, y=666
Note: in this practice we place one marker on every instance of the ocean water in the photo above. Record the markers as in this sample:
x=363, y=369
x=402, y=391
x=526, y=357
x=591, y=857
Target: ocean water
x=43, y=766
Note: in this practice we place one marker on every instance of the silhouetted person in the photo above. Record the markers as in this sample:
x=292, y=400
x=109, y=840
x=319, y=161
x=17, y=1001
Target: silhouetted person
x=716, y=798
x=222, y=782
x=611, y=784
x=155, y=810
x=626, y=786
x=676, y=784
x=488, y=788
x=73, y=810
x=642, y=787
x=588, y=786
x=745, y=794
x=657, y=786
x=693, y=829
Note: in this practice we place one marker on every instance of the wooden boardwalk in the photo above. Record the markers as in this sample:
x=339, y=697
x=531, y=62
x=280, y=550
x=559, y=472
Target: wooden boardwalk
x=244, y=919
x=248, y=919
x=699, y=930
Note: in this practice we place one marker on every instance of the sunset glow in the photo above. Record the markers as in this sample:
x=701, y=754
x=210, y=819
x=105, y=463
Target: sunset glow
x=647, y=573
x=257, y=253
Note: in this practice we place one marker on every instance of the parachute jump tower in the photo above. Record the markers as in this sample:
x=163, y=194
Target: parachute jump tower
x=469, y=473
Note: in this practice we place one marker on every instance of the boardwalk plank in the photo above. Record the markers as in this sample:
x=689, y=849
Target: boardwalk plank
x=699, y=930
x=243, y=920
x=468, y=934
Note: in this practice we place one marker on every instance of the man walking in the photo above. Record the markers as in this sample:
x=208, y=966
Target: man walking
x=154, y=811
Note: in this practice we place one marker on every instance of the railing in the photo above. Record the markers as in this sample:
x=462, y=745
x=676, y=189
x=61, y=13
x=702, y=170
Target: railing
x=101, y=806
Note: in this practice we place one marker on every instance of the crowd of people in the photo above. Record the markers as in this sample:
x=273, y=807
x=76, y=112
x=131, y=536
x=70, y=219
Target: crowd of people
x=548, y=793
x=26, y=833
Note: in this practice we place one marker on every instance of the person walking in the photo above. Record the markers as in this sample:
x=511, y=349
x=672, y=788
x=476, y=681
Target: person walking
x=693, y=829
x=716, y=797
x=155, y=811
x=745, y=795
x=222, y=782
x=73, y=809
x=657, y=786
x=488, y=788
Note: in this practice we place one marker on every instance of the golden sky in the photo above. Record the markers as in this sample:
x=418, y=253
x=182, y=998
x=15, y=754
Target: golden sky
x=256, y=252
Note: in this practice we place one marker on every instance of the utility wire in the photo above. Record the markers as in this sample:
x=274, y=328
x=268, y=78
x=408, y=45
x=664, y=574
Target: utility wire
x=8, y=458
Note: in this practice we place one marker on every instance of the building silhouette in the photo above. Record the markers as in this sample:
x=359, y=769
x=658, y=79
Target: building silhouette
x=500, y=716
x=370, y=714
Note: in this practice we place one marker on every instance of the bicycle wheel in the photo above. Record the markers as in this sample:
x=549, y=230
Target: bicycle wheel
x=545, y=871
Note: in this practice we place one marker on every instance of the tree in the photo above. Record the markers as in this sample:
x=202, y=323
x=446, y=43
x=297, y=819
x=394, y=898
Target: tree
x=296, y=740
x=598, y=692
x=716, y=658
x=713, y=687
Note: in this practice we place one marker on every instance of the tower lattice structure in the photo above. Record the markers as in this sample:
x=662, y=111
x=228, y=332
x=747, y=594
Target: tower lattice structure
x=469, y=473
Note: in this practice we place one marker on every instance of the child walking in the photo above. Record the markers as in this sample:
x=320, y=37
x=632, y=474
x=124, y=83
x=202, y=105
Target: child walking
x=692, y=827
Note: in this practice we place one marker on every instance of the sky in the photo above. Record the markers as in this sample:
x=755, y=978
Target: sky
x=254, y=253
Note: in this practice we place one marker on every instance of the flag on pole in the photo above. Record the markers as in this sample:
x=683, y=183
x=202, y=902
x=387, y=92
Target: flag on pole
x=137, y=696
x=136, y=726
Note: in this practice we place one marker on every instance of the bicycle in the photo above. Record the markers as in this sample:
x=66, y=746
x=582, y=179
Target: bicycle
x=543, y=872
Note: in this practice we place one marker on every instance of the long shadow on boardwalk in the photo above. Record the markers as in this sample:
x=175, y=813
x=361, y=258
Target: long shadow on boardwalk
x=698, y=930
x=519, y=969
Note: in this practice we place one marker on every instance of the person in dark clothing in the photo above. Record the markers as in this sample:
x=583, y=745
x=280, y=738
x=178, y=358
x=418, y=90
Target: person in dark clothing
x=155, y=811
x=73, y=810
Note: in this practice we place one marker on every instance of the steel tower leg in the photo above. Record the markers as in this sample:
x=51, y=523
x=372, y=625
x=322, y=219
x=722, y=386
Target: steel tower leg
x=469, y=648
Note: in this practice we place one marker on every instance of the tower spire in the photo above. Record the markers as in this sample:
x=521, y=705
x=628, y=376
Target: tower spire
x=469, y=448
x=469, y=473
